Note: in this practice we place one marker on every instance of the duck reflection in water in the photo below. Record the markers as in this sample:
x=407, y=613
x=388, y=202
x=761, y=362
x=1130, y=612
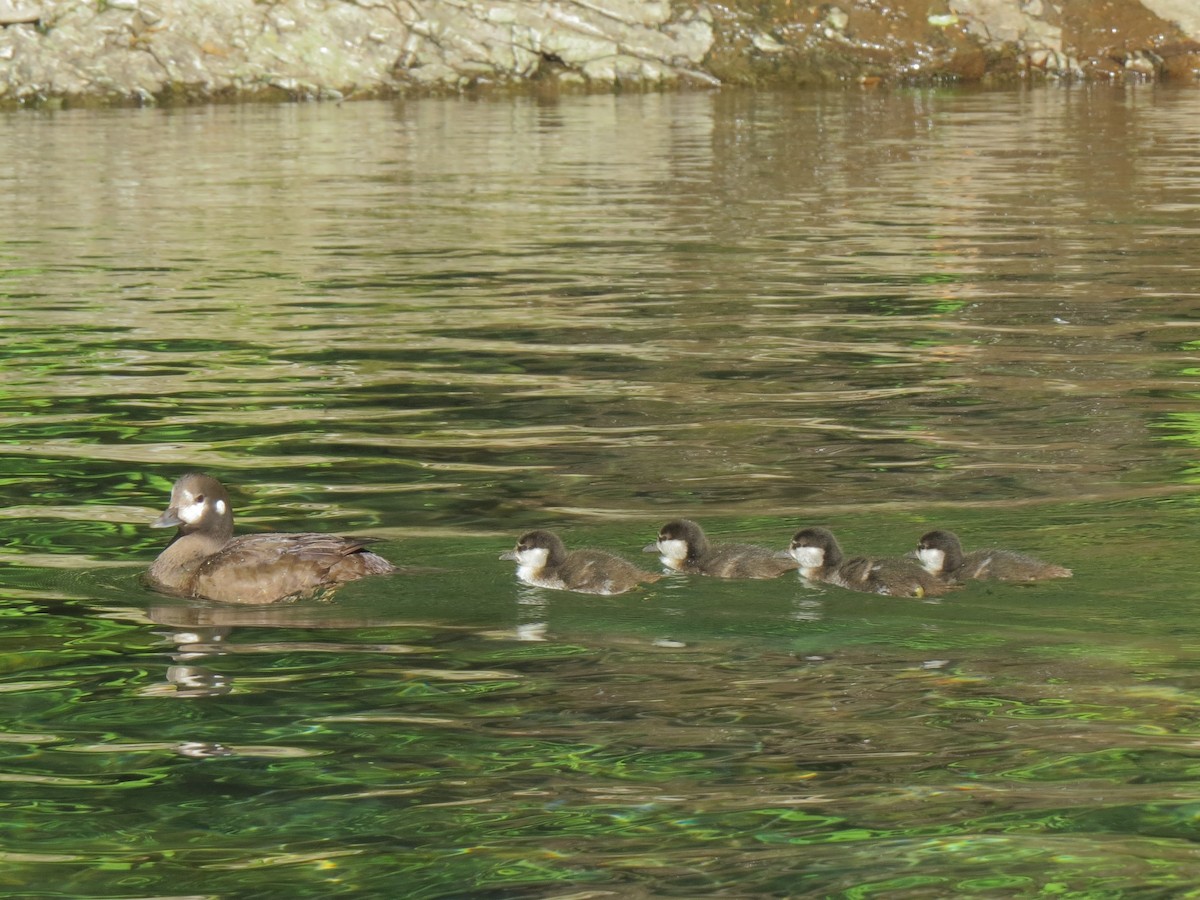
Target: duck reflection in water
x=204, y=633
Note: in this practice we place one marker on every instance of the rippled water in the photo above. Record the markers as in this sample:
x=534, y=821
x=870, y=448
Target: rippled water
x=444, y=322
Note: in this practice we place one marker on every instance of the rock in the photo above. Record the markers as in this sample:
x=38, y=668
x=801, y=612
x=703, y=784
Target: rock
x=146, y=51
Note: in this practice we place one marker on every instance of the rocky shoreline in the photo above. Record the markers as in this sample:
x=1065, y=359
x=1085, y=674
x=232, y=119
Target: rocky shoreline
x=120, y=52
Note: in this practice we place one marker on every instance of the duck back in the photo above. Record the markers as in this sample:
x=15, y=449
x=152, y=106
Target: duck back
x=1008, y=565
x=890, y=577
x=265, y=568
x=597, y=572
x=741, y=561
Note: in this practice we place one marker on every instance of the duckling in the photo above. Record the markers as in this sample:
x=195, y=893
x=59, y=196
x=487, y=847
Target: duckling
x=683, y=546
x=941, y=553
x=204, y=560
x=821, y=559
x=542, y=560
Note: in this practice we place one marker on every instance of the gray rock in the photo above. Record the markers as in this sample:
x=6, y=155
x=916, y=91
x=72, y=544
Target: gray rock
x=143, y=51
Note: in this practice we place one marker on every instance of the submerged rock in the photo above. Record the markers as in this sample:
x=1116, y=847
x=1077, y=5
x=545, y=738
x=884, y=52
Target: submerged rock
x=143, y=51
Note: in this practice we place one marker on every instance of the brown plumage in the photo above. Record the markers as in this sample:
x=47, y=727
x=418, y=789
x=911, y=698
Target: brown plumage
x=821, y=559
x=941, y=553
x=542, y=560
x=683, y=546
x=205, y=560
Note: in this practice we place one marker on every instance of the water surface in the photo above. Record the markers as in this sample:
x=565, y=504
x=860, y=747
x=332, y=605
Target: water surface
x=443, y=322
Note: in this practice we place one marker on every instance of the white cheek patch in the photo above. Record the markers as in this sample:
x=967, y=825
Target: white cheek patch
x=675, y=550
x=808, y=557
x=931, y=559
x=192, y=513
x=531, y=561
x=219, y=506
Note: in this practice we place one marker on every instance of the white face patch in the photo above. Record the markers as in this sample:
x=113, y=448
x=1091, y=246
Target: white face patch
x=219, y=506
x=530, y=562
x=193, y=512
x=672, y=553
x=932, y=559
x=808, y=557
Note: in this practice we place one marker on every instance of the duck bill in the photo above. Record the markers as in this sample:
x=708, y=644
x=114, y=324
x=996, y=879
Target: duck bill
x=508, y=554
x=650, y=548
x=169, y=519
x=784, y=554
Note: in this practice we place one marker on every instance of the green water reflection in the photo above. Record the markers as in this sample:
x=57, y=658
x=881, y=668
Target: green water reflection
x=444, y=322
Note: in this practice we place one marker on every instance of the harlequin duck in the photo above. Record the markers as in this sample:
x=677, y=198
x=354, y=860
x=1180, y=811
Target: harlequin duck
x=542, y=560
x=821, y=559
x=941, y=553
x=205, y=560
x=683, y=546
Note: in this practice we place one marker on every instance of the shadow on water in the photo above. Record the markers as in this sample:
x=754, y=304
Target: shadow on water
x=443, y=322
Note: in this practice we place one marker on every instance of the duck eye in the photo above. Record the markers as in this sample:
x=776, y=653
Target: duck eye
x=199, y=498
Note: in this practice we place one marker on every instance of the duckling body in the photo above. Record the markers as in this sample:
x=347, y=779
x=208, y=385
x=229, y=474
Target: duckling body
x=683, y=546
x=941, y=553
x=821, y=559
x=205, y=560
x=543, y=561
